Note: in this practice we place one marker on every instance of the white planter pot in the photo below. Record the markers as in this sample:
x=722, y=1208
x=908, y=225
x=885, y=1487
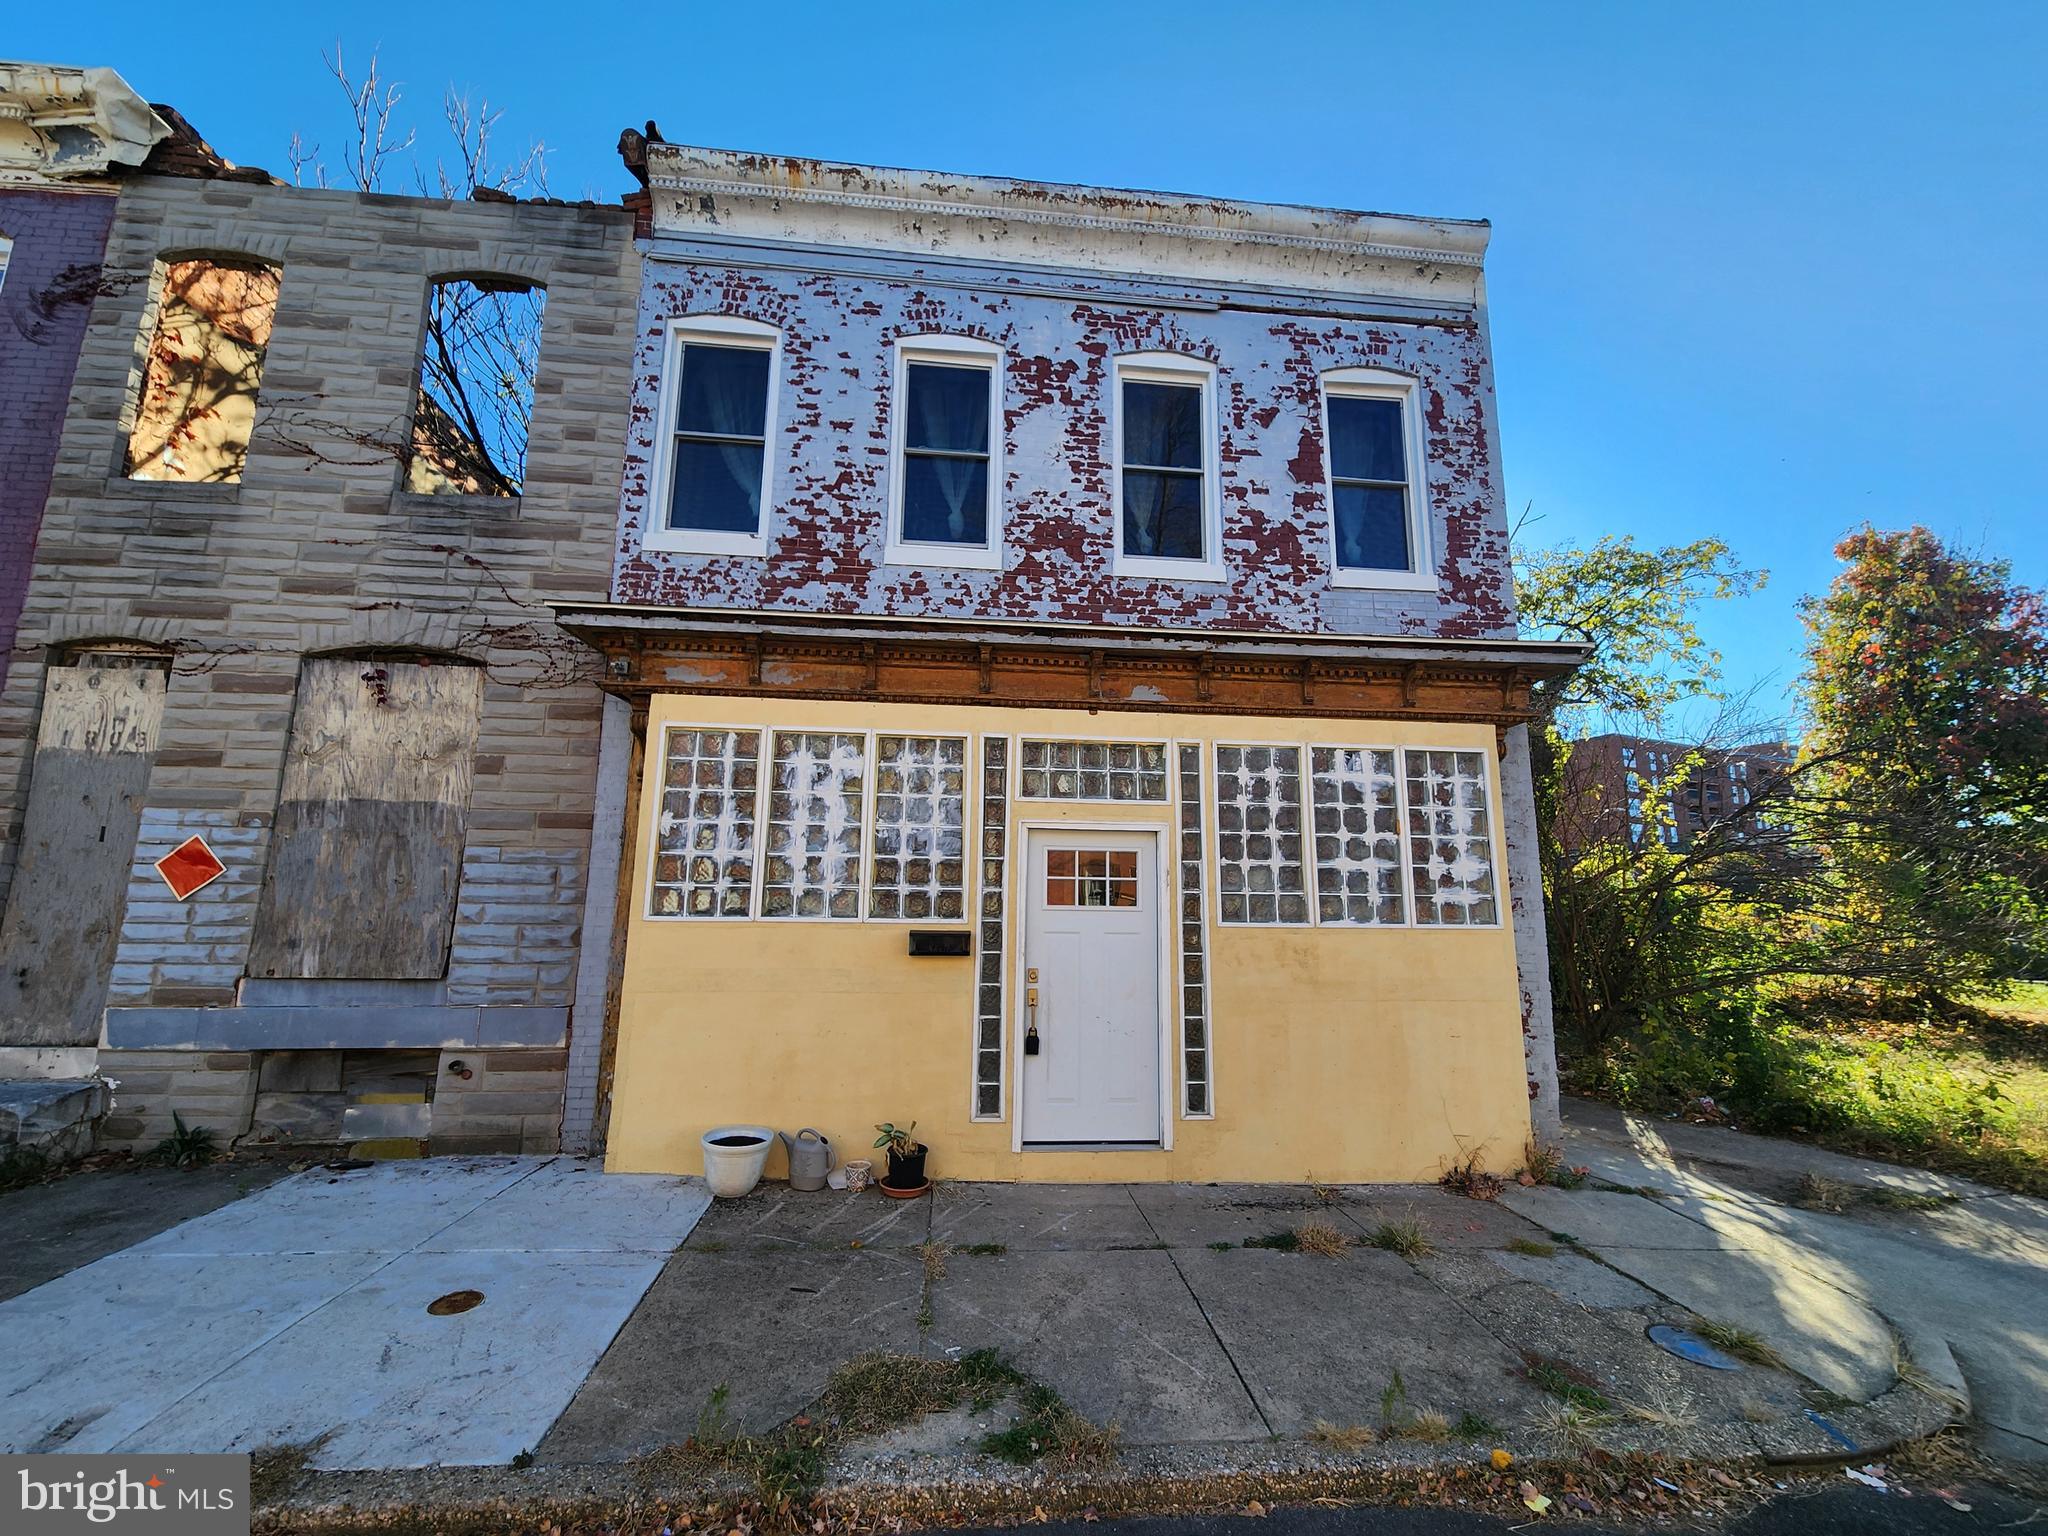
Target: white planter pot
x=734, y=1156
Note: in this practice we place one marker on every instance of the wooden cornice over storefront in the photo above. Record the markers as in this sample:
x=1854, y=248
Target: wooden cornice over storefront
x=1043, y=665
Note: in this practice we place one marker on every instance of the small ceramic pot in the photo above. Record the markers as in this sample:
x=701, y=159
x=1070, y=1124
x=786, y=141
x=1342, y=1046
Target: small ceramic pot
x=858, y=1172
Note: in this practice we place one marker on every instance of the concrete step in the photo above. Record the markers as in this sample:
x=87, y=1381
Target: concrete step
x=55, y=1118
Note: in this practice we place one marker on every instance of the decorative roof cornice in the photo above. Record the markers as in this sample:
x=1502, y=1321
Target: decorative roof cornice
x=700, y=179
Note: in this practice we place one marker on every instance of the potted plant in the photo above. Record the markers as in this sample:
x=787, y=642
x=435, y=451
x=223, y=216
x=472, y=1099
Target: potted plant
x=906, y=1159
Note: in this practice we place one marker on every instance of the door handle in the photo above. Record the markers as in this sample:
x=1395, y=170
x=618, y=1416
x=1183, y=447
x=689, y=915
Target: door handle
x=1031, y=1021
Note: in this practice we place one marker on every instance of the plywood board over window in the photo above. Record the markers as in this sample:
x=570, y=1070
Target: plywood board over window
x=94, y=747
x=366, y=860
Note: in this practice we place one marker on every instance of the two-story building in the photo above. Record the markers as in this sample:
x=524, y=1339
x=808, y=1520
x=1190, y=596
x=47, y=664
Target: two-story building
x=297, y=773
x=1066, y=685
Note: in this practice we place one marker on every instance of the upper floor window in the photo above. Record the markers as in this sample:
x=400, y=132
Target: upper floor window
x=1168, y=515
x=945, y=474
x=196, y=408
x=1379, y=523
x=479, y=358
x=712, y=480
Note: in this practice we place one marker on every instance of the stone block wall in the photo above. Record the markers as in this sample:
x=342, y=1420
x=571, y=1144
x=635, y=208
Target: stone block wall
x=318, y=549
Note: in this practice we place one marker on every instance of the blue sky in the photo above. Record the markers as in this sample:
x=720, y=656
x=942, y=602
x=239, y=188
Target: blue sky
x=1764, y=271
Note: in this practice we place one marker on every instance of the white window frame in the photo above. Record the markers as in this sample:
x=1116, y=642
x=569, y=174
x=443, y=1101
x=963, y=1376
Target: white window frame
x=1380, y=384
x=717, y=331
x=1168, y=368
x=955, y=352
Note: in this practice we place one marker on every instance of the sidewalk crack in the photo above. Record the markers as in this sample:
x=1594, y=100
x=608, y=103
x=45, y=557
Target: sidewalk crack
x=1249, y=1395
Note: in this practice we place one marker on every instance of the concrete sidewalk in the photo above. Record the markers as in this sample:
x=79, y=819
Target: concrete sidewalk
x=301, y=1312
x=1965, y=1283
x=1143, y=1306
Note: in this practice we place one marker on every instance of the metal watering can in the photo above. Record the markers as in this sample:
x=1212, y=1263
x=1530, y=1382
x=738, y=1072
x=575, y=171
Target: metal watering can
x=810, y=1158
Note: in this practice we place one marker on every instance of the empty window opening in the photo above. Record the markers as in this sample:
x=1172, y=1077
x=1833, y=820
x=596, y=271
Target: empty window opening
x=197, y=406
x=478, y=361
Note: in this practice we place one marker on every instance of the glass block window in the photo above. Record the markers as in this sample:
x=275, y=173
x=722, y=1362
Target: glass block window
x=812, y=845
x=1259, y=874
x=1093, y=770
x=920, y=857
x=1450, y=839
x=1194, y=992
x=988, y=958
x=1355, y=811
x=704, y=834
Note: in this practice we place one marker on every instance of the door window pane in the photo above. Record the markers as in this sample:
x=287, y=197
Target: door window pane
x=1091, y=877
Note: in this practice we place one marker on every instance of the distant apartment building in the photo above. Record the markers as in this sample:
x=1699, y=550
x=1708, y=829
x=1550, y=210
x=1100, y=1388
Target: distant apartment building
x=1638, y=789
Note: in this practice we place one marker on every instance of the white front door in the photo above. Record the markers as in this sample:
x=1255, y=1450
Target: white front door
x=1091, y=955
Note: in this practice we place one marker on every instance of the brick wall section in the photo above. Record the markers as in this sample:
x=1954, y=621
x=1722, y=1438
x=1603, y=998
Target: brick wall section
x=58, y=239
x=320, y=549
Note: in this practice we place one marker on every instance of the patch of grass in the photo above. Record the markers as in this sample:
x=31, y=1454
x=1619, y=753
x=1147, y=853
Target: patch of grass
x=1565, y=1382
x=1564, y=1239
x=1885, y=1198
x=1570, y=1178
x=1393, y=1405
x=1742, y=1343
x=1322, y=1238
x=1048, y=1430
x=714, y=1245
x=1343, y=1437
x=877, y=1391
x=983, y=1250
x=1959, y=1088
x=188, y=1146
x=1427, y=1424
x=1403, y=1237
x=1474, y=1426
x=1284, y=1242
x=1471, y=1180
x=1567, y=1427
x=1540, y=1163
x=1529, y=1247
x=932, y=1253
x=1221, y=1247
x=1326, y=1194
x=1133, y=1247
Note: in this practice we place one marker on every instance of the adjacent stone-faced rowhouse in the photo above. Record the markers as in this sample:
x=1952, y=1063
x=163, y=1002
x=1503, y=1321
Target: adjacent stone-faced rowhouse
x=1079, y=708
x=286, y=602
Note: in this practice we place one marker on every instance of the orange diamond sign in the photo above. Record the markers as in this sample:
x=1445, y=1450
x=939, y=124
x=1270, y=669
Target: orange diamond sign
x=190, y=866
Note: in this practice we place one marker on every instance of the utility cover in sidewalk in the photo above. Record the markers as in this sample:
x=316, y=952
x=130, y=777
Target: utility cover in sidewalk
x=1688, y=1345
x=189, y=867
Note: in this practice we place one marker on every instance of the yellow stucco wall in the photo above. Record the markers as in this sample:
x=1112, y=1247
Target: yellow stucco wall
x=1342, y=1055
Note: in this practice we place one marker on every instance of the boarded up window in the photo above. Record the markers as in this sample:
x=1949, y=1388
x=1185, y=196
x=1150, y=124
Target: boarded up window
x=94, y=748
x=366, y=858
x=198, y=401
x=478, y=360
